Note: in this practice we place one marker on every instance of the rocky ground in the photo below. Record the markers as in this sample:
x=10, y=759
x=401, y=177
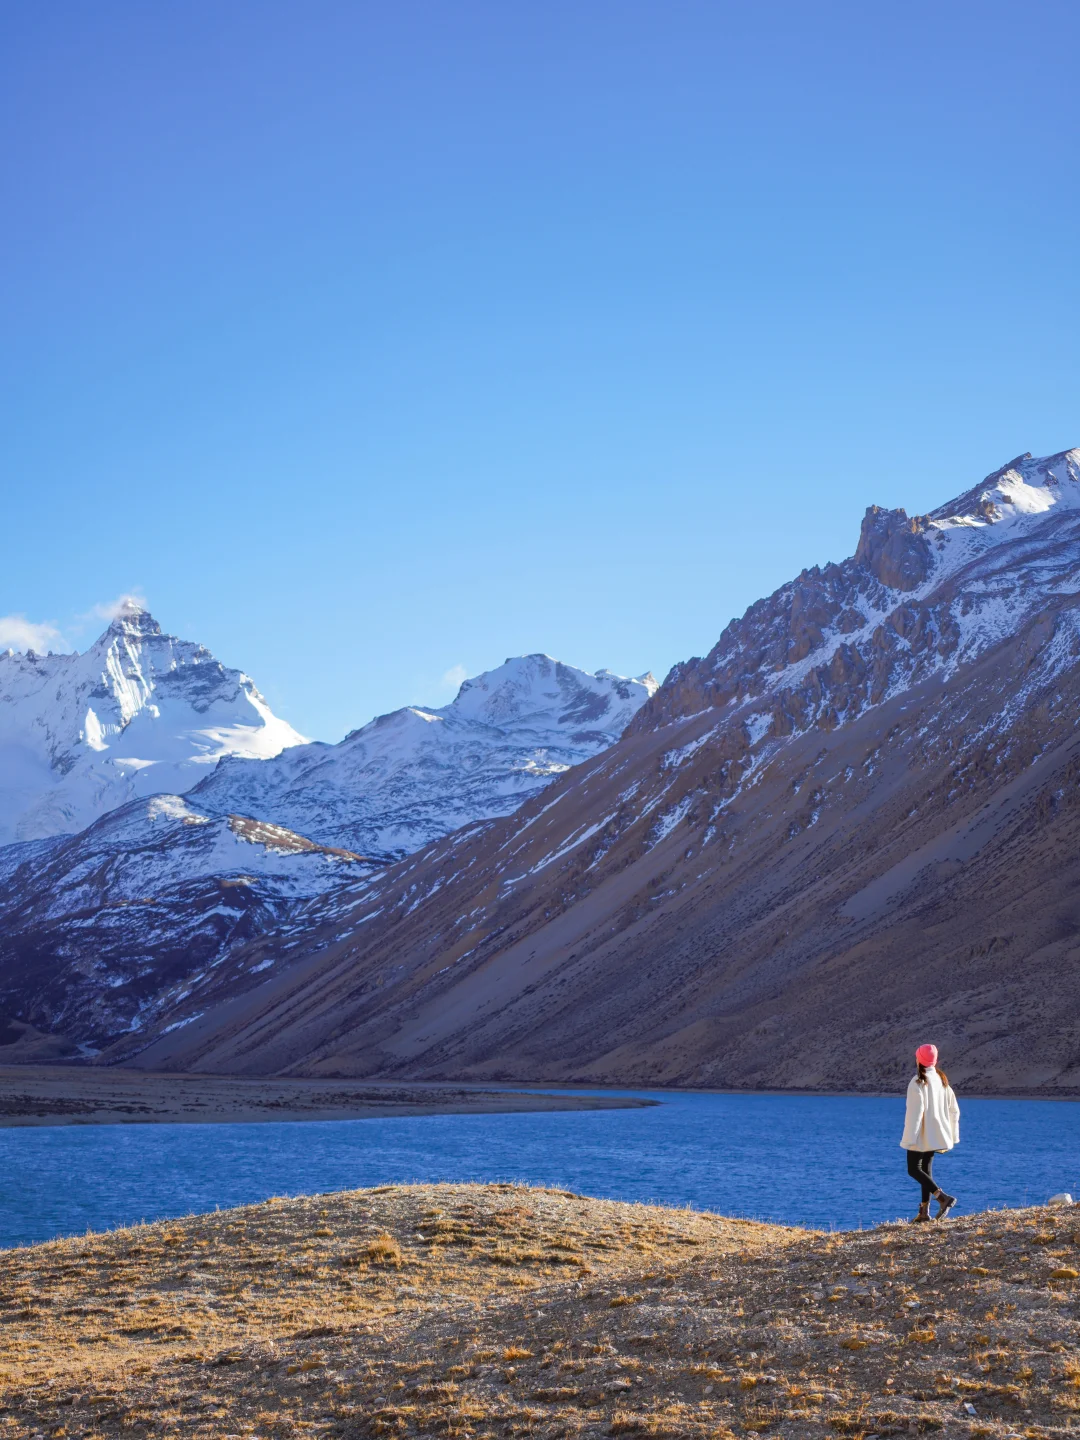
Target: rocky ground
x=499, y=1310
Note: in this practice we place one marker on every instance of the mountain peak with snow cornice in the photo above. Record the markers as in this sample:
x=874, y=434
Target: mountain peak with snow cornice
x=539, y=690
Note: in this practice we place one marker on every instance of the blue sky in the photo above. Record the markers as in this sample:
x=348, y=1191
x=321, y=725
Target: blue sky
x=370, y=341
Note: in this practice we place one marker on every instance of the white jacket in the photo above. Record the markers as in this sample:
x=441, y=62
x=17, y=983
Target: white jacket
x=933, y=1115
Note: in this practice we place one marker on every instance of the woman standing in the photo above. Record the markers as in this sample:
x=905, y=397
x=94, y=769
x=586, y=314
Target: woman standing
x=931, y=1127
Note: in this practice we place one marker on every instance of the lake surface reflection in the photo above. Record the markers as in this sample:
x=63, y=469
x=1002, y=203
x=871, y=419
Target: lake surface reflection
x=803, y=1159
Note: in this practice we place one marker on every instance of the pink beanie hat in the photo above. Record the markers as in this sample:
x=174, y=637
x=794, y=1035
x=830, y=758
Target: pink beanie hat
x=926, y=1055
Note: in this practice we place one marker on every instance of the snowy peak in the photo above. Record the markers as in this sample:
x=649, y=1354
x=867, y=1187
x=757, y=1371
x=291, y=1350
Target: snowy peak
x=412, y=776
x=921, y=593
x=160, y=898
x=897, y=549
x=132, y=620
x=535, y=690
x=139, y=713
x=1025, y=487
x=143, y=713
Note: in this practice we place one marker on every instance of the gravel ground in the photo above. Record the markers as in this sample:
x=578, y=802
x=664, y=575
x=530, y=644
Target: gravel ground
x=498, y=1310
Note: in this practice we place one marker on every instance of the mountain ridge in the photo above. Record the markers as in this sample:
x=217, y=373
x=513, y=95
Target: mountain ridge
x=103, y=931
x=840, y=604
x=677, y=909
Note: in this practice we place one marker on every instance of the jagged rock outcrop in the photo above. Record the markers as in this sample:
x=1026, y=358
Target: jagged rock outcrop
x=894, y=548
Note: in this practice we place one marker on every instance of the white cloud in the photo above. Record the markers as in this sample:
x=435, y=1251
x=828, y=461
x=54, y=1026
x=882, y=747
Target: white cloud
x=455, y=677
x=134, y=600
x=18, y=633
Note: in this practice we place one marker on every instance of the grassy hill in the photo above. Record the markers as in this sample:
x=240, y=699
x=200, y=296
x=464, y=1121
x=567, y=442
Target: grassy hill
x=498, y=1310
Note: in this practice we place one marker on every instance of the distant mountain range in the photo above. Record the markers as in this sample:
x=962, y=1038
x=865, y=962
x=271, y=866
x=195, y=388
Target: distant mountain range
x=851, y=827
x=414, y=775
x=107, y=930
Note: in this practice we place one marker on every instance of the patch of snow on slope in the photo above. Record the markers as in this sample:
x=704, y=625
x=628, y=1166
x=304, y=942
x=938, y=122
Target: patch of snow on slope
x=985, y=620
x=672, y=759
x=667, y=822
x=758, y=725
x=572, y=844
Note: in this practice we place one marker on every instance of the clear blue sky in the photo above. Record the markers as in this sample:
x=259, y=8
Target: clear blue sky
x=368, y=341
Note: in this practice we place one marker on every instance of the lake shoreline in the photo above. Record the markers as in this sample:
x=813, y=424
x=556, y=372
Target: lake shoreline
x=80, y=1095
x=36, y=1096
x=1069, y=1097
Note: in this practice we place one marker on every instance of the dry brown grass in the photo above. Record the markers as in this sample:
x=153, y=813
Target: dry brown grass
x=499, y=1311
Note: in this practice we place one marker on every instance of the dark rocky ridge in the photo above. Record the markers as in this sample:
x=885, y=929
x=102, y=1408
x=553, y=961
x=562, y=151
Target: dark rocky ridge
x=105, y=931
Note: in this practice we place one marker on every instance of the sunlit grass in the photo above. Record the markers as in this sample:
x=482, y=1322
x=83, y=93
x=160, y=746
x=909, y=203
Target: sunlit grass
x=494, y=1311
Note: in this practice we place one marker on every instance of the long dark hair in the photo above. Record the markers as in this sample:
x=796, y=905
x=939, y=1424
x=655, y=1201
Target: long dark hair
x=941, y=1073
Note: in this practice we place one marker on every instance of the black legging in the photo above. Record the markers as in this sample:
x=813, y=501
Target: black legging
x=919, y=1166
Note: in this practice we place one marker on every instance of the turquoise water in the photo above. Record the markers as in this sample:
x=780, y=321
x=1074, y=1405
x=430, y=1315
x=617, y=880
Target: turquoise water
x=803, y=1159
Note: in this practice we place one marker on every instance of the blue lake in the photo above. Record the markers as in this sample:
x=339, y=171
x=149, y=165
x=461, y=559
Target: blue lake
x=831, y=1161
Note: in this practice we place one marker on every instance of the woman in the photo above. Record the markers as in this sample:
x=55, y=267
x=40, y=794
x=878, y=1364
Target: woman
x=931, y=1127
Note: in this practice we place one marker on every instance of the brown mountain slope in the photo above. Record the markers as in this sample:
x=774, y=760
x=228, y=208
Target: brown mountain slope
x=786, y=873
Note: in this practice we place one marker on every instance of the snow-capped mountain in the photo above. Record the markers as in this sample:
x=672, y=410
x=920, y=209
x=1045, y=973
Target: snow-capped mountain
x=852, y=826
x=103, y=931
x=139, y=713
x=414, y=775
